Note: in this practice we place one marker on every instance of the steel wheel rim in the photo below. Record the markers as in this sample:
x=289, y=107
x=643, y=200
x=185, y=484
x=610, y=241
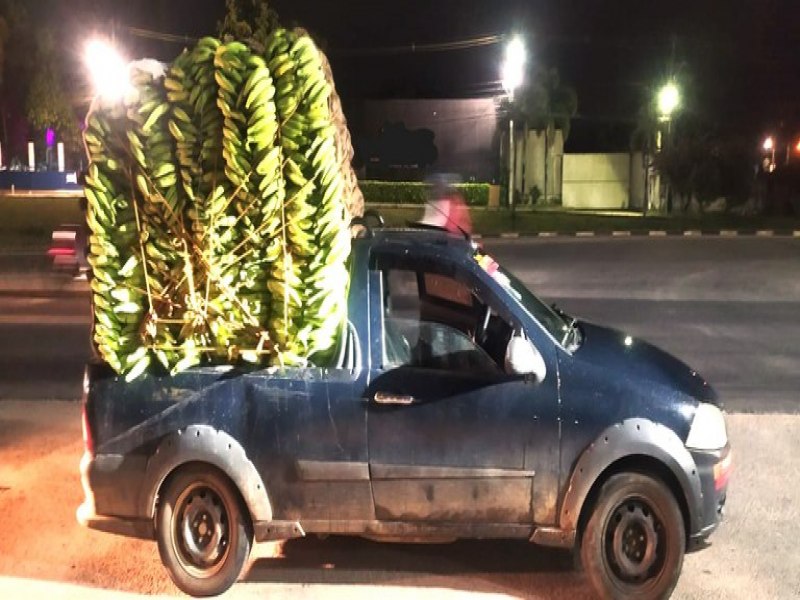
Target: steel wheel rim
x=201, y=530
x=634, y=541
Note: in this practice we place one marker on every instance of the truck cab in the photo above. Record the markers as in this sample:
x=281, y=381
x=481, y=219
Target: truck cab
x=458, y=405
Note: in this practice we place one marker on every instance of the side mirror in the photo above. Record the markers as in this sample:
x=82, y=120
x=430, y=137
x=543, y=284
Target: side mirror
x=522, y=358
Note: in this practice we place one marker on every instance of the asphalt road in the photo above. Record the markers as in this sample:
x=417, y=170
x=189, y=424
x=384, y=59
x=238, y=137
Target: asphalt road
x=730, y=307
x=44, y=345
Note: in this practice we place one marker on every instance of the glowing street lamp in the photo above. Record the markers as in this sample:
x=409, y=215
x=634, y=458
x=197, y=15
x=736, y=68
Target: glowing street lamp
x=769, y=146
x=512, y=74
x=108, y=70
x=669, y=98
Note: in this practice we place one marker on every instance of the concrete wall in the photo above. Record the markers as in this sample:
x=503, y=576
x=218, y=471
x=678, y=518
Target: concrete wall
x=532, y=156
x=599, y=181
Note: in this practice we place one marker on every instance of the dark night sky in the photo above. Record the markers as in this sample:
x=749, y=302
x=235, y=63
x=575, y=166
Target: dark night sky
x=739, y=60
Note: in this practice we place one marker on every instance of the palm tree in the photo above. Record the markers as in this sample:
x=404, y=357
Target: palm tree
x=546, y=105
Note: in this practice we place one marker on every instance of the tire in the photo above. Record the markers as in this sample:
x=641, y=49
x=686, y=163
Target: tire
x=633, y=544
x=204, y=532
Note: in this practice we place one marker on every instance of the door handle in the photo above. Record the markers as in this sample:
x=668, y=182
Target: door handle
x=385, y=398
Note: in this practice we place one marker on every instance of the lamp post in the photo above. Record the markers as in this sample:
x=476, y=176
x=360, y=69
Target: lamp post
x=108, y=70
x=512, y=75
x=668, y=100
x=769, y=146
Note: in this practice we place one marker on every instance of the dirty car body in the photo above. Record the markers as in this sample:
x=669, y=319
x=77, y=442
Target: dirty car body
x=423, y=429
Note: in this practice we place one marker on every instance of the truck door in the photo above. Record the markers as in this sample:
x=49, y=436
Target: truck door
x=452, y=437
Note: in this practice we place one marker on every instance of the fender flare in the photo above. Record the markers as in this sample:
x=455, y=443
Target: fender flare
x=632, y=437
x=203, y=443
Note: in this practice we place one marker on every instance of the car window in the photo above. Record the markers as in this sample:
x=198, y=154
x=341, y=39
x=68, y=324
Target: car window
x=414, y=343
x=433, y=320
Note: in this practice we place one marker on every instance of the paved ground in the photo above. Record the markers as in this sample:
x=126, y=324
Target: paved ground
x=45, y=553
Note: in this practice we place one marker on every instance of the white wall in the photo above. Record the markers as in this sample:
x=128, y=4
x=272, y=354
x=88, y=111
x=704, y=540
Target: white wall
x=533, y=156
x=597, y=181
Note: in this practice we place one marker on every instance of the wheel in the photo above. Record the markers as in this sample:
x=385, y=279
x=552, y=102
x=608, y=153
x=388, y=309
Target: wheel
x=633, y=544
x=204, y=533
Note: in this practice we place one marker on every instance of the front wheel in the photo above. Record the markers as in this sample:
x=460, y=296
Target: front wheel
x=203, y=531
x=633, y=544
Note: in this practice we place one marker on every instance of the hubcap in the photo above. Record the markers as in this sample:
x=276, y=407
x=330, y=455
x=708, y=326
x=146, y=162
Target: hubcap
x=633, y=540
x=202, y=530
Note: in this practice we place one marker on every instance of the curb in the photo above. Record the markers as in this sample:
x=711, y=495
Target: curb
x=653, y=233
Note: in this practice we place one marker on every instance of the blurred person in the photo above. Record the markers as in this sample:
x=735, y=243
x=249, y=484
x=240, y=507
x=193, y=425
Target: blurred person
x=446, y=207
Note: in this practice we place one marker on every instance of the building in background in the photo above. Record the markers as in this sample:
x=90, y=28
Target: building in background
x=406, y=140
x=464, y=136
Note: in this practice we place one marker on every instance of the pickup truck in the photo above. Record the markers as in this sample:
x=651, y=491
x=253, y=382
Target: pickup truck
x=458, y=405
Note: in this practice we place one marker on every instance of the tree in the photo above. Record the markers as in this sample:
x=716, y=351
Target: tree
x=248, y=20
x=47, y=105
x=546, y=104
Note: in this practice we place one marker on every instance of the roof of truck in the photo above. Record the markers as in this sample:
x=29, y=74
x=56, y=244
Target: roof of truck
x=435, y=238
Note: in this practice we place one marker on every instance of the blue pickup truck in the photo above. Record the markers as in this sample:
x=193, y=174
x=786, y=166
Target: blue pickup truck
x=458, y=405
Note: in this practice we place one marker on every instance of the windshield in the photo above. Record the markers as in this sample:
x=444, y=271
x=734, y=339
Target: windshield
x=559, y=325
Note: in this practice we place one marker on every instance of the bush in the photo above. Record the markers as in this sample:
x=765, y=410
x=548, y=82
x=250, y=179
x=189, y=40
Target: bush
x=414, y=192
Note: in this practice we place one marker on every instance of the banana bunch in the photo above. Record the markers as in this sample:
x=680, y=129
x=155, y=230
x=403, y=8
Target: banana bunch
x=216, y=204
x=210, y=311
x=284, y=277
x=316, y=226
x=245, y=99
x=162, y=203
x=115, y=251
x=261, y=212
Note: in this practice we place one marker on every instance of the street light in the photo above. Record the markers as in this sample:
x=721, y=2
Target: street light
x=667, y=101
x=512, y=74
x=108, y=70
x=669, y=97
x=769, y=146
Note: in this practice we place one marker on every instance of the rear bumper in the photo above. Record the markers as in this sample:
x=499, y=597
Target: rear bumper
x=713, y=469
x=113, y=508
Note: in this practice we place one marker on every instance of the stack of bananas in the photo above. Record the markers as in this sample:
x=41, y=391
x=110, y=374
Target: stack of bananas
x=216, y=203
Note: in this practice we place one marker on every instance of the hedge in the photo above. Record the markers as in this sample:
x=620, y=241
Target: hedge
x=413, y=192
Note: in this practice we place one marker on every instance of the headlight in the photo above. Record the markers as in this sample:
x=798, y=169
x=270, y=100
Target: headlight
x=708, y=431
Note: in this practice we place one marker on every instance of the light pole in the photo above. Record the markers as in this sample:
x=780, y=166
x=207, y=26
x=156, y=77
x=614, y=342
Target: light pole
x=108, y=70
x=769, y=146
x=512, y=74
x=668, y=100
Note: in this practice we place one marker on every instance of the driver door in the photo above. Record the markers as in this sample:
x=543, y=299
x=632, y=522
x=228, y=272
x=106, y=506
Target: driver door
x=451, y=436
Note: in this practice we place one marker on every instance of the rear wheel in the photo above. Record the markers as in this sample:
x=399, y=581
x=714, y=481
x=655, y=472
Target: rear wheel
x=634, y=541
x=203, y=530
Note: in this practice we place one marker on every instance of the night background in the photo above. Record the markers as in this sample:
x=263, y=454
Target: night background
x=737, y=62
